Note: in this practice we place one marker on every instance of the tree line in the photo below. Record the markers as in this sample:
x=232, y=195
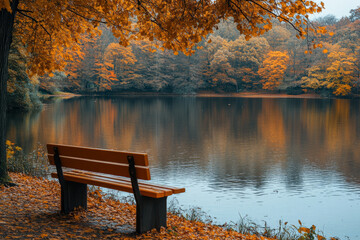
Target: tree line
x=224, y=61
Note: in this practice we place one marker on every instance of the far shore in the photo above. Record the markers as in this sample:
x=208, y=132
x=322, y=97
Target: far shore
x=259, y=95
x=67, y=95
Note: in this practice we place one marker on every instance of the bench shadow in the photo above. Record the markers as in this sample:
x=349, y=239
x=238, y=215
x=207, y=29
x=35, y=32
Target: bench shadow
x=92, y=227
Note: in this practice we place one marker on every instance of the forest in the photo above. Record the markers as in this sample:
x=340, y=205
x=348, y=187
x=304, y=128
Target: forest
x=277, y=61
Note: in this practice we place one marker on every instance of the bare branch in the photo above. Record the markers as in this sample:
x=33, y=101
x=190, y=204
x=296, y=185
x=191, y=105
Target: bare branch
x=274, y=14
x=36, y=21
x=89, y=19
x=22, y=10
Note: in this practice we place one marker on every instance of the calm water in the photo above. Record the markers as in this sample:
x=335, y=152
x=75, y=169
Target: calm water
x=269, y=159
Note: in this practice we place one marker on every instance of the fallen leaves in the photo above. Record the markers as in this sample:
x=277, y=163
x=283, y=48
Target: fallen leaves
x=32, y=211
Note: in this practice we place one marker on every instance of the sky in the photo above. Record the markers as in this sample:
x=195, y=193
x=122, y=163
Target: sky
x=338, y=8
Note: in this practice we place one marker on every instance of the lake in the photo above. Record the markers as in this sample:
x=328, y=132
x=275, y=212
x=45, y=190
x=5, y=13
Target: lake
x=265, y=158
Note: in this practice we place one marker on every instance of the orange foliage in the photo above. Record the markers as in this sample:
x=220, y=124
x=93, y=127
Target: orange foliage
x=51, y=29
x=273, y=69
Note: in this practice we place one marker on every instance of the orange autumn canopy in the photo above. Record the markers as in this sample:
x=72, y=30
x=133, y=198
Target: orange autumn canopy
x=52, y=29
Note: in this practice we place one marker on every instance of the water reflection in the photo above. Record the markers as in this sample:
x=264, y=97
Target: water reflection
x=267, y=151
x=241, y=138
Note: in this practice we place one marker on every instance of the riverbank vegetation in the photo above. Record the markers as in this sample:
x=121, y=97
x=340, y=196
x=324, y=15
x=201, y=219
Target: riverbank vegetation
x=224, y=62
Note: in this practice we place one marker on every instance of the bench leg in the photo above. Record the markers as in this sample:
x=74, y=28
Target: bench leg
x=73, y=195
x=150, y=213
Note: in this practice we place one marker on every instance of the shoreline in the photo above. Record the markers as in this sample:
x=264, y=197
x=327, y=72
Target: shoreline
x=28, y=209
x=262, y=95
x=200, y=95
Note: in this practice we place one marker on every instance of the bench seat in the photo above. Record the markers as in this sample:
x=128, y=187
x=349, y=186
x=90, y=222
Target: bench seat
x=119, y=183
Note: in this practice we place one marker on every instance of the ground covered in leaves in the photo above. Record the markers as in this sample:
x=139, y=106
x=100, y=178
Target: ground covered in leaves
x=31, y=210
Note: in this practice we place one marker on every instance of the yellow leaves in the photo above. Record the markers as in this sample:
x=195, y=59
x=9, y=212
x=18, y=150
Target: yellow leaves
x=267, y=26
x=11, y=149
x=339, y=71
x=309, y=233
x=273, y=69
x=176, y=52
x=319, y=237
x=303, y=229
x=314, y=46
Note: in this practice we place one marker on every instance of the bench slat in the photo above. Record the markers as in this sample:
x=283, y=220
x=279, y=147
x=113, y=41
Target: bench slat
x=144, y=187
x=115, y=156
x=117, y=169
x=174, y=190
x=117, y=185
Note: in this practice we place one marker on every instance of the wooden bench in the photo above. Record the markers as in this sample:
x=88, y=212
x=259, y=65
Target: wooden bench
x=110, y=169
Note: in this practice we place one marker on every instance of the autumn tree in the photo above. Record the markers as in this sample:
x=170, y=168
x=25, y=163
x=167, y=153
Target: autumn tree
x=339, y=75
x=277, y=37
x=297, y=58
x=273, y=69
x=245, y=59
x=120, y=60
x=50, y=27
x=226, y=29
x=149, y=72
x=88, y=69
x=315, y=78
x=348, y=37
x=355, y=14
x=223, y=71
x=336, y=74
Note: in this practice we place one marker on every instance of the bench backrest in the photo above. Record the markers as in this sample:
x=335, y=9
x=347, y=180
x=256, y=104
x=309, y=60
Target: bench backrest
x=100, y=160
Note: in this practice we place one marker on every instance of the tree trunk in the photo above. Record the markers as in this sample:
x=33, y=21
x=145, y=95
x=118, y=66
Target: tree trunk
x=6, y=29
